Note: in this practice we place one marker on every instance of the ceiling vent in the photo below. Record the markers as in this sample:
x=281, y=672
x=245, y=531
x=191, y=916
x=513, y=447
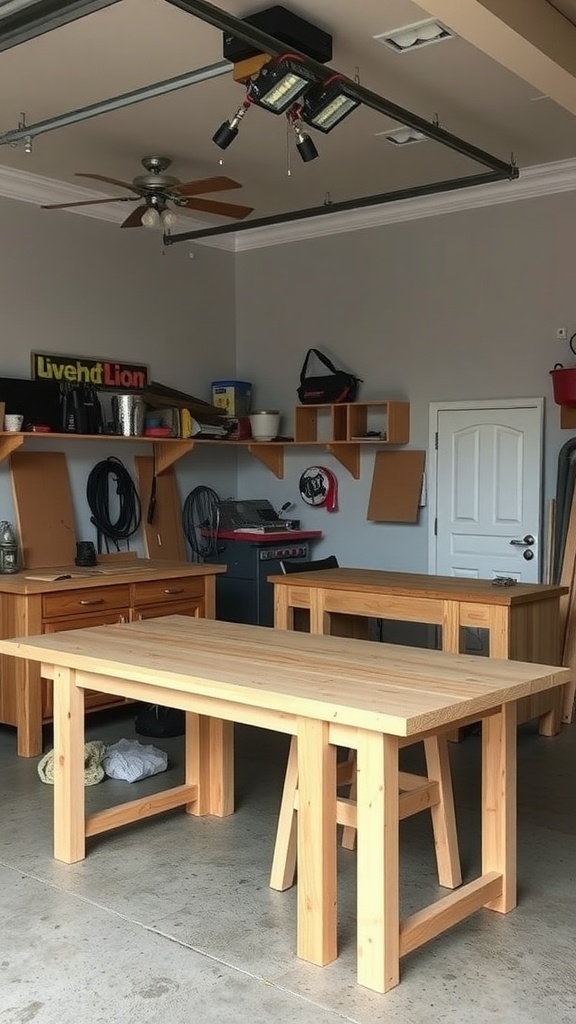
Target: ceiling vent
x=403, y=136
x=414, y=37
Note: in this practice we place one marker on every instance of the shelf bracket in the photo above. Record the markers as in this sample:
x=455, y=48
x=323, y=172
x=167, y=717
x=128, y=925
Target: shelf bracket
x=9, y=443
x=167, y=453
x=270, y=455
x=348, y=455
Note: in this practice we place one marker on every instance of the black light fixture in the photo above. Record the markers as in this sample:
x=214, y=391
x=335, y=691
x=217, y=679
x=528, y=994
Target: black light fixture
x=327, y=104
x=304, y=143
x=280, y=83
x=228, y=130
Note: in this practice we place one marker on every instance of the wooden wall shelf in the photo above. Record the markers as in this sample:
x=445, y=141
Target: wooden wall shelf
x=348, y=430
x=568, y=417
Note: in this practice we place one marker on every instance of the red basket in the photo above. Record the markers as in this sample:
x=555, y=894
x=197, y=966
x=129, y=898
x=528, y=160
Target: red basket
x=564, y=384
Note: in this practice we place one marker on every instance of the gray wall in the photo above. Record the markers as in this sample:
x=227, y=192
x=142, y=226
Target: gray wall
x=461, y=306
x=445, y=308
x=70, y=284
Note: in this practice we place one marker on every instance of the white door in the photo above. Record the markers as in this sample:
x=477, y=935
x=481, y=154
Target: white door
x=487, y=515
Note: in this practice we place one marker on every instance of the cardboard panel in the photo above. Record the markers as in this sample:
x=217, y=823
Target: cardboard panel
x=164, y=536
x=44, y=510
x=396, y=486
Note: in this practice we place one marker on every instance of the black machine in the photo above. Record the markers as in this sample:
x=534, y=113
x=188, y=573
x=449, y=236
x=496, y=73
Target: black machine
x=243, y=594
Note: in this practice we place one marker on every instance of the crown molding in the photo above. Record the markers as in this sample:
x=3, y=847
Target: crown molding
x=541, y=180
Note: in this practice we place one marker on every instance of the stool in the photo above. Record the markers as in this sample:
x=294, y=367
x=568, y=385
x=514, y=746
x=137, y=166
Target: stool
x=431, y=792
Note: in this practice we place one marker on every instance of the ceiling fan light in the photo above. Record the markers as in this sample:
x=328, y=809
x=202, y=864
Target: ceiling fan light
x=279, y=83
x=151, y=219
x=169, y=219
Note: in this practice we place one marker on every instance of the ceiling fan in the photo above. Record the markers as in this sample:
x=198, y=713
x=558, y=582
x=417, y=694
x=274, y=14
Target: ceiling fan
x=157, y=190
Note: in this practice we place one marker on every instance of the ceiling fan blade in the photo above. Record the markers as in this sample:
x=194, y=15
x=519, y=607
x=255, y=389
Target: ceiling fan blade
x=223, y=209
x=91, y=202
x=216, y=184
x=134, y=219
x=109, y=181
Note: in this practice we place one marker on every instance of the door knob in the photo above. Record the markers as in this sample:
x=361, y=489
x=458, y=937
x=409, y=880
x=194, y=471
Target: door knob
x=525, y=542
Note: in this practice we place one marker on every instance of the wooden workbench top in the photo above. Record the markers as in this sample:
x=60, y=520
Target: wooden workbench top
x=380, y=687
x=28, y=581
x=406, y=584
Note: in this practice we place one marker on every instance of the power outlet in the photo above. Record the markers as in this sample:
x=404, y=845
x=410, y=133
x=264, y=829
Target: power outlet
x=562, y=333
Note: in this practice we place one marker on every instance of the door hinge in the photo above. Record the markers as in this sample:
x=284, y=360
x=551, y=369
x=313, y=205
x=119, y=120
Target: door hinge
x=436, y=441
x=436, y=527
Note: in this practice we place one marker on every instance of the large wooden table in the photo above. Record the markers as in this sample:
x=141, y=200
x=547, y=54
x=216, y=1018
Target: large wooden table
x=522, y=620
x=326, y=691
x=68, y=597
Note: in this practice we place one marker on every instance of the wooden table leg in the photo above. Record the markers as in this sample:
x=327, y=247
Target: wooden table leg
x=69, y=803
x=317, y=895
x=499, y=803
x=378, y=862
x=28, y=707
x=319, y=618
x=210, y=764
x=283, y=613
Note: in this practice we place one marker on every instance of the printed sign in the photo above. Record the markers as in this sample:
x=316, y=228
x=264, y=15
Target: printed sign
x=100, y=373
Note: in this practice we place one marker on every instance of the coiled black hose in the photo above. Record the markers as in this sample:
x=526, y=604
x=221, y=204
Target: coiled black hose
x=129, y=515
x=200, y=518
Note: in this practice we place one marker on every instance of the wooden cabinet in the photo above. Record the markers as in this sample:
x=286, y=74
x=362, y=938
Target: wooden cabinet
x=144, y=589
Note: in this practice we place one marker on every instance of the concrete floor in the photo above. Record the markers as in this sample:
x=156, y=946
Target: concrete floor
x=172, y=921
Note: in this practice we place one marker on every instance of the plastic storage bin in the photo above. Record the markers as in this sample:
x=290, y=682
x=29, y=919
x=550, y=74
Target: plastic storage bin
x=232, y=395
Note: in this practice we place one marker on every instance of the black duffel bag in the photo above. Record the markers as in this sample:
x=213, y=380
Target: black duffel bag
x=328, y=388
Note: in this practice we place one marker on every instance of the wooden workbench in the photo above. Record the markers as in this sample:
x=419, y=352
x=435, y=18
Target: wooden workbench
x=137, y=589
x=522, y=620
x=325, y=691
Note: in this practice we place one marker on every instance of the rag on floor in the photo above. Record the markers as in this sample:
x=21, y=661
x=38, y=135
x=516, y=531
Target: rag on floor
x=131, y=761
x=94, y=752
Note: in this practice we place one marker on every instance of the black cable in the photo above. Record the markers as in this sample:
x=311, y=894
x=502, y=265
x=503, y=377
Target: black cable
x=98, y=495
x=200, y=519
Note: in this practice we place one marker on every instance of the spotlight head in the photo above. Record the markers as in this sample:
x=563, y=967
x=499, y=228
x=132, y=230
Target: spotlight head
x=225, y=135
x=326, y=105
x=280, y=83
x=228, y=130
x=306, y=148
x=304, y=143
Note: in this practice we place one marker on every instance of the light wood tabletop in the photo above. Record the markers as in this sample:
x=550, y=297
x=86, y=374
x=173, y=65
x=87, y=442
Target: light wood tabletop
x=325, y=691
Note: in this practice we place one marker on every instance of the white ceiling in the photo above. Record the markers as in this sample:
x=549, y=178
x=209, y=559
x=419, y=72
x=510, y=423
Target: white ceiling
x=134, y=43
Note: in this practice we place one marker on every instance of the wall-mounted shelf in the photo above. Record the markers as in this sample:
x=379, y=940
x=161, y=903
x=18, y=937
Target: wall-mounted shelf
x=348, y=427
x=568, y=417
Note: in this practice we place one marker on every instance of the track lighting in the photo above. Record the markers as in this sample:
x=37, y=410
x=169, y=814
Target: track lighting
x=327, y=104
x=228, y=130
x=304, y=143
x=279, y=83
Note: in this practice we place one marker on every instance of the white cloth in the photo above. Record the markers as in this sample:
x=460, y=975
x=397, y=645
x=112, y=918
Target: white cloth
x=131, y=761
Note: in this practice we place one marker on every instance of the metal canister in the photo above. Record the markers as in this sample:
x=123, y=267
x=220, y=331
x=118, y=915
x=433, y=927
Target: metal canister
x=9, y=559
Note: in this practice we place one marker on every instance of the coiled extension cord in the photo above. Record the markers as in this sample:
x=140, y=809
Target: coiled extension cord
x=129, y=515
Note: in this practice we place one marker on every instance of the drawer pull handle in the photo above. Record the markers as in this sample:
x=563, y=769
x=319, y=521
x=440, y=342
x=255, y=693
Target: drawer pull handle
x=174, y=590
x=95, y=600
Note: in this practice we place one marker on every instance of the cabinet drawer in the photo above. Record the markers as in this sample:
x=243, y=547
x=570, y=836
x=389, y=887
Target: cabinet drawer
x=85, y=600
x=195, y=608
x=168, y=591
